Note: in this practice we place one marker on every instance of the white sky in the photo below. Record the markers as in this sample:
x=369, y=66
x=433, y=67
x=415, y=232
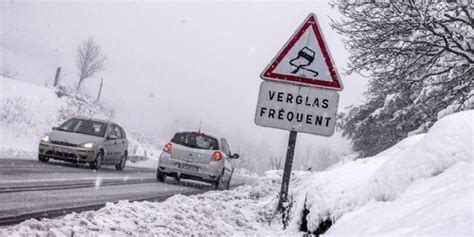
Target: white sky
x=171, y=64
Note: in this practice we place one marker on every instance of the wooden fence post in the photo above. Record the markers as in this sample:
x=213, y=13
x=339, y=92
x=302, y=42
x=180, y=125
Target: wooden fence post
x=56, y=78
x=100, y=88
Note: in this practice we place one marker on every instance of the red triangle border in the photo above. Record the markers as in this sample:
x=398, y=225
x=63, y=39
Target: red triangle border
x=268, y=73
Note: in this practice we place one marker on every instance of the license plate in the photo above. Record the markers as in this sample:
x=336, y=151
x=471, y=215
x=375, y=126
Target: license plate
x=187, y=167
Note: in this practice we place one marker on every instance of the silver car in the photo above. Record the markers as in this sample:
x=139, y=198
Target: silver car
x=82, y=140
x=198, y=156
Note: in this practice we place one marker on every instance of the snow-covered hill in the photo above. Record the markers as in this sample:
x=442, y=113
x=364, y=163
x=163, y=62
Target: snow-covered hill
x=28, y=111
x=421, y=186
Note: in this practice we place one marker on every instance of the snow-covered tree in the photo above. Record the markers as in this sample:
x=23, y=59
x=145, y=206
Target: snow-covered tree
x=419, y=57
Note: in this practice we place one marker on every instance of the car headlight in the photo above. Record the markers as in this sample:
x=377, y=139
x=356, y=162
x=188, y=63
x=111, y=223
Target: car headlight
x=45, y=139
x=88, y=145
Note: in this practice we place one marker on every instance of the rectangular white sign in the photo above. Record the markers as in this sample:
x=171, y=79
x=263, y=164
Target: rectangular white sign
x=297, y=108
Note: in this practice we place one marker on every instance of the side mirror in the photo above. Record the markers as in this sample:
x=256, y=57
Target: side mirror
x=54, y=128
x=235, y=156
x=112, y=137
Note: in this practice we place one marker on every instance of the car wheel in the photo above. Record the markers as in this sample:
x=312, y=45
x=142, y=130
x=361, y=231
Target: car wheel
x=98, y=161
x=160, y=176
x=43, y=158
x=121, y=165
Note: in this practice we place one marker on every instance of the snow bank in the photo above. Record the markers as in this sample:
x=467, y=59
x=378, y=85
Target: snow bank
x=243, y=211
x=426, y=189
x=331, y=193
x=29, y=111
x=144, y=150
x=23, y=114
x=384, y=177
x=438, y=206
x=449, y=141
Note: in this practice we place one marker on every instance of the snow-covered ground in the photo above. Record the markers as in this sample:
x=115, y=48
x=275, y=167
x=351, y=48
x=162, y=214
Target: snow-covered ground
x=421, y=186
x=29, y=111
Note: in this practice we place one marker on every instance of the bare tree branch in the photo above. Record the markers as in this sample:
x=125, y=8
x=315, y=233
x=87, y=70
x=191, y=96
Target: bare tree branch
x=89, y=60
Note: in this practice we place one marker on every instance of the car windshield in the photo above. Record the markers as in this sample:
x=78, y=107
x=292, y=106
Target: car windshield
x=196, y=140
x=88, y=127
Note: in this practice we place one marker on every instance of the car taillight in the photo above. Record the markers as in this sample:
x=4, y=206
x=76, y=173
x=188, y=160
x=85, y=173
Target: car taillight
x=216, y=156
x=167, y=148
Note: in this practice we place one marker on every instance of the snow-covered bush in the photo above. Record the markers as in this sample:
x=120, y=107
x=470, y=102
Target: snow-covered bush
x=15, y=111
x=79, y=104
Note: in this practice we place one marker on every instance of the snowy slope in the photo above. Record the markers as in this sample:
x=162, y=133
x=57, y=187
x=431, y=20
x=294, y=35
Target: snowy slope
x=426, y=189
x=384, y=177
x=28, y=111
x=24, y=116
x=438, y=206
x=421, y=186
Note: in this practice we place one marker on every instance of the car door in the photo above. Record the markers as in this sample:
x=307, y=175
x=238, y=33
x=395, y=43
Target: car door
x=110, y=144
x=122, y=143
x=227, y=155
x=118, y=144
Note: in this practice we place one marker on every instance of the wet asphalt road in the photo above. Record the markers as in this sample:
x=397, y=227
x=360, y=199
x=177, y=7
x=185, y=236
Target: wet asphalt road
x=31, y=189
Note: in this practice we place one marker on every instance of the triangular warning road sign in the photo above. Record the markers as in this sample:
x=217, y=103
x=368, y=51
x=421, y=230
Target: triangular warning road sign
x=305, y=59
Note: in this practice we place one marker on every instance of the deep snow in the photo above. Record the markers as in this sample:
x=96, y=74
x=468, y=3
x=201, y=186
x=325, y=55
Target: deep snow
x=437, y=206
x=384, y=177
x=421, y=186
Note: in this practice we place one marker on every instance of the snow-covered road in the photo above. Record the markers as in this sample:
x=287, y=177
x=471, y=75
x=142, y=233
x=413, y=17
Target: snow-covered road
x=30, y=189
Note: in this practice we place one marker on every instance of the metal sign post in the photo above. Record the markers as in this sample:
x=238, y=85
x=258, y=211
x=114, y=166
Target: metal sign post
x=290, y=152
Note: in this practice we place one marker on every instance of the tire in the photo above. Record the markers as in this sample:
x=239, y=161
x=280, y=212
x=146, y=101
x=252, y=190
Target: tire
x=121, y=165
x=43, y=158
x=98, y=161
x=160, y=176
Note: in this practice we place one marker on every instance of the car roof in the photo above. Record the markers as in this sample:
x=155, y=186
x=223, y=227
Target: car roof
x=93, y=119
x=203, y=133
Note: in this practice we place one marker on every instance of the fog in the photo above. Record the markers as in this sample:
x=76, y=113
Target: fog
x=171, y=66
